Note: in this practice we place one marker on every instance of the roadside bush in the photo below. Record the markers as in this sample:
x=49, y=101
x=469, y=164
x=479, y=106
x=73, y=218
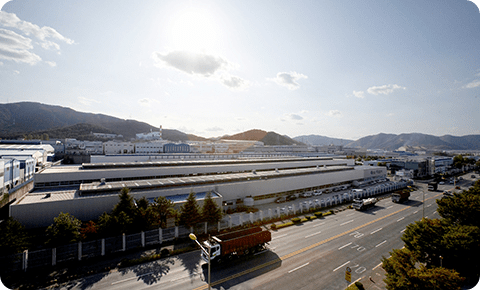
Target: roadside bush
x=318, y=214
x=296, y=220
x=287, y=224
x=273, y=227
x=359, y=285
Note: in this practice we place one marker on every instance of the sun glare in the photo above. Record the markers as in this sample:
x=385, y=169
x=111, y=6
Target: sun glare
x=194, y=30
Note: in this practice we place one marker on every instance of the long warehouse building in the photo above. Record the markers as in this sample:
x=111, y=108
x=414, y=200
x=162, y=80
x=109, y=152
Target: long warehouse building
x=94, y=188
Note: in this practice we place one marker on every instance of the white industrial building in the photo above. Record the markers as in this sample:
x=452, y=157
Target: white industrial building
x=89, y=190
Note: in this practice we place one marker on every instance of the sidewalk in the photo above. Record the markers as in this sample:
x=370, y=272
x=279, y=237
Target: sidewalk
x=375, y=280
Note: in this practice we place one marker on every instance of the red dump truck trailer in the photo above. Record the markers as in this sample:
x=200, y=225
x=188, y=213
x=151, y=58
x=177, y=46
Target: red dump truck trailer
x=400, y=196
x=242, y=242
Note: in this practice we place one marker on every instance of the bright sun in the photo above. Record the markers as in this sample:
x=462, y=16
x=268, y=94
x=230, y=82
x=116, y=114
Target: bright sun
x=194, y=30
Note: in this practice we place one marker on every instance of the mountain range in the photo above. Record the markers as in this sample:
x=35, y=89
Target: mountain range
x=23, y=118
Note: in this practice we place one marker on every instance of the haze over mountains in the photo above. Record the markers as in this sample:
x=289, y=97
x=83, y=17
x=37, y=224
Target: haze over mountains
x=23, y=118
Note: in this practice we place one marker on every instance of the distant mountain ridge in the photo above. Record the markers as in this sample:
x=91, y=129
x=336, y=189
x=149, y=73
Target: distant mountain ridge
x=268, y=138
x=322, y=140
x=418, y=141
x=18, y=119
x=23, y=118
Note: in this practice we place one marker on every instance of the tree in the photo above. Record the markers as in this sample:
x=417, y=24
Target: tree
x=89, y=230
x=424, y=238
x=402, y=273
x=64, y=230
x=125, y=204
x=13, y=238
x=211, y=212
x=190, y=212
x=462, y=208
x=162, y=209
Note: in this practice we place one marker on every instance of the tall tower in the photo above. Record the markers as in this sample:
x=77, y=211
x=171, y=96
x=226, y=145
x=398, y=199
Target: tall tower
x=160, y=131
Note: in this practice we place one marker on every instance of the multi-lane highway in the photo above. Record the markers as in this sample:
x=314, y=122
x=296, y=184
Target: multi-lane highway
x=312, y=255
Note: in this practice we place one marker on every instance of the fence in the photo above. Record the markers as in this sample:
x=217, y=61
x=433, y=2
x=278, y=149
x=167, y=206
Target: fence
x=97, y=248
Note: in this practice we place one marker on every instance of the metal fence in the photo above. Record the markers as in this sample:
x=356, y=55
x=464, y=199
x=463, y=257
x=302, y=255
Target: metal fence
x=107, y=246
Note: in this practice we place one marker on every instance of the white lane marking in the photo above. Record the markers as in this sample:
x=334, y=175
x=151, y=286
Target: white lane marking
x=311, y=235
x=340, y=266
x=345, y=246
x=377, y=266
x=381, y=243
x=278, y=237
x=350, y=214
x=299, y=267
x=403, y=230
x=429, y=205
x=390, y=207
x=415, y=212
x=376, y=231
x=136, y=277
x=318, y=224
x=400, y=219
x=347, y=222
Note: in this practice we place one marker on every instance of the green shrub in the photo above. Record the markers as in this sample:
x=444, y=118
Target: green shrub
x=296, y=220
x=273, y=227
x=287, y=224
x=359, y=285
x=318, y=214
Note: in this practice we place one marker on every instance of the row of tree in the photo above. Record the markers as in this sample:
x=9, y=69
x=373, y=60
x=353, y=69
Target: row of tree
x=129, y=215
x=440, y=253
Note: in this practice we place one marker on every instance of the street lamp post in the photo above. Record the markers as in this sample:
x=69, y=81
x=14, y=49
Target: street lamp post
x=206, y=252
x=423, y=204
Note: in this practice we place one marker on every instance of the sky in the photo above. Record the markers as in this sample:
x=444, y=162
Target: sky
x=342, y=69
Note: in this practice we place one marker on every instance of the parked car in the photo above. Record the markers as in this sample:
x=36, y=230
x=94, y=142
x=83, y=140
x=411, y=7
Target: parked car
x=281, y=199
x=317, y=192
x=307, y=194
x=291, y=197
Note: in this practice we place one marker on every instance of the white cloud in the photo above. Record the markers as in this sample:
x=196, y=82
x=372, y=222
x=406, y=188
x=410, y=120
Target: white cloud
x=473, y=84
x=385, y=89
x=334, y=113
x=201, y=64
x=51, y=63
x=147, y=102
x=18, y=48
x=19, y=55
x=86, y=101
x=192, y=63
x=295, y=117
x=288, y=79
x=234, y=82
x=11, y=20
x=359, y=94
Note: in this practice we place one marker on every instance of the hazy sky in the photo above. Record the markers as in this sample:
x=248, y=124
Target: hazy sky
x=343, y=69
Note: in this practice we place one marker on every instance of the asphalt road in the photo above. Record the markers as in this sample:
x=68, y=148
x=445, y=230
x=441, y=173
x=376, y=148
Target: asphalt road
x=312, y=255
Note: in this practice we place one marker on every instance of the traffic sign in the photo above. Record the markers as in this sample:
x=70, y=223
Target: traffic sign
x=348, y=274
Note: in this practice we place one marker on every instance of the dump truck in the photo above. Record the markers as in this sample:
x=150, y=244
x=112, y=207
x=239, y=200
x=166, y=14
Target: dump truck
x=400, y=196
x=362, y=204
x=243, y=242
x=432, y=186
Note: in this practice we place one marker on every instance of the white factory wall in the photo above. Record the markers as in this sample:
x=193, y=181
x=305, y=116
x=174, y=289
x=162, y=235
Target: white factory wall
x=87, y=208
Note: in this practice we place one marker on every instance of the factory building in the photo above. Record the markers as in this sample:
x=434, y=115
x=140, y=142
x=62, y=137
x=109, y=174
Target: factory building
x=89, y=190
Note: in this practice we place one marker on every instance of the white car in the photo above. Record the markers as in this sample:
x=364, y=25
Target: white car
x=317, y=192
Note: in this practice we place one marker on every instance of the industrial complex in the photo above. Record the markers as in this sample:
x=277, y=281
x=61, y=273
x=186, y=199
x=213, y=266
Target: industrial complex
x=88, y=190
